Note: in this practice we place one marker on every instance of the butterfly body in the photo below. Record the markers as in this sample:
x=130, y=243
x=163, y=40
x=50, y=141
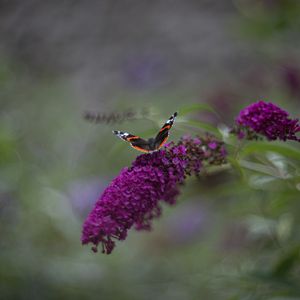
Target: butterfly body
x=152, y=144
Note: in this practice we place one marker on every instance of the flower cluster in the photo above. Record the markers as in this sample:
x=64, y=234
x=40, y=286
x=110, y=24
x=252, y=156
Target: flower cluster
x=201, y=152
x=132, y=198
x=268, y=120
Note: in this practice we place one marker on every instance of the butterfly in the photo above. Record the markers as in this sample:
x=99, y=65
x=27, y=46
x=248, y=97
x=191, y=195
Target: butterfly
x=151, y=144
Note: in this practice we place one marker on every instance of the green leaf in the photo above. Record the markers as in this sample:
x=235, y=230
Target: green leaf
x=204, y=126
x=261, y=168
x=7, y=147
x=286, y=262
x=258, y=147
x=235, y=164
x=196, y=107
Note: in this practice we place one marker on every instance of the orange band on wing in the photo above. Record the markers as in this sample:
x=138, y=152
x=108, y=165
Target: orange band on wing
x=133, y=138
x=165, y=139
x=140, y=149
x=165, y=127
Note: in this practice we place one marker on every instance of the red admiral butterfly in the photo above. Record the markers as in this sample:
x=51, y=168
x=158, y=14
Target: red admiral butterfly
x=151, y=144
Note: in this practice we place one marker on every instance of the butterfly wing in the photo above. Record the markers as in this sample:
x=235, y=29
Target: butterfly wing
x=163, y=133
x=135, y=141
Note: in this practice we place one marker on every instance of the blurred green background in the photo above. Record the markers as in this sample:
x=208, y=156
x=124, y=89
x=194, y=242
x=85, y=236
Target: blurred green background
x=232, y=235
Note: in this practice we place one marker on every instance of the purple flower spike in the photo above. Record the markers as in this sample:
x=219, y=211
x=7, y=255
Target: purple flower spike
x=269, y=120
x=133, y=198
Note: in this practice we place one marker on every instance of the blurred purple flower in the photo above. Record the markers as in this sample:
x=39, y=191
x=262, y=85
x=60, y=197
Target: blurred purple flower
x=291, y=79
x=132, y=198
x=188, y=224
x=222, y=99
x=82, y=194
x=241, y=135
x=145, y=70
x=268, y=120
